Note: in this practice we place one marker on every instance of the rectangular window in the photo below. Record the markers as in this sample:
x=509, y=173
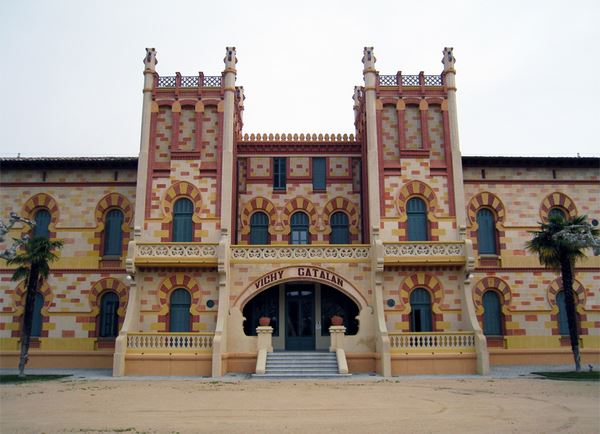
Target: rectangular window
x=279, y=170
x=318, y=173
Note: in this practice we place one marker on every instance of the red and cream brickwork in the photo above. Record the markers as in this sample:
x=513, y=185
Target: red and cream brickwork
x=406, y=146
x=156, y=287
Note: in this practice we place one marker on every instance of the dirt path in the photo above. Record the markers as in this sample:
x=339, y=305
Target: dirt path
x=416, y=405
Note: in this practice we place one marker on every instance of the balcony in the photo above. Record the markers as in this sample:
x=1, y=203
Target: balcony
x=169, y=343
x=176, y=254
x=424, y=253
x=429, y=343
x=301, y=253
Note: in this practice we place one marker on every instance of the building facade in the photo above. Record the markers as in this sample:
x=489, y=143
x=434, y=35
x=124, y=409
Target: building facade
x=173, y=260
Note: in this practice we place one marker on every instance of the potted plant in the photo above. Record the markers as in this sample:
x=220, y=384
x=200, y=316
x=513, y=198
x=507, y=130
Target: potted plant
x=337, y=320
x=264, y=321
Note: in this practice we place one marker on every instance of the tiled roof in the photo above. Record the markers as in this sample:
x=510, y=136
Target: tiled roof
x=131, y=162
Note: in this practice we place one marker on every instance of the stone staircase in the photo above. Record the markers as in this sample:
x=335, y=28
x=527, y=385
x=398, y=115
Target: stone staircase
x=301, y=364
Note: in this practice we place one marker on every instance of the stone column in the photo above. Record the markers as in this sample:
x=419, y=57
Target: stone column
x=220, y=339
x=265, y=345
x=459, y=190
x=377, y=254
x=227, y=158
x=370, y=77
x=337, y=334
x=142, y=170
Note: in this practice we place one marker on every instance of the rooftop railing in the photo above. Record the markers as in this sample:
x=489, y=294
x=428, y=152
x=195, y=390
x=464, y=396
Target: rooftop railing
x=190, y=81
x=411, y=80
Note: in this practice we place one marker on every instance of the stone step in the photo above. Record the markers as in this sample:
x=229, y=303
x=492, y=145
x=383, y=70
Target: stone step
x=303, y=356
x=301, y=365
x=302, y=368
x=293, y=375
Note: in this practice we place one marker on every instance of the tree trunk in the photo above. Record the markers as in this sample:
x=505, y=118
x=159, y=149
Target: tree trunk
x=567, y=279
x=32, y=286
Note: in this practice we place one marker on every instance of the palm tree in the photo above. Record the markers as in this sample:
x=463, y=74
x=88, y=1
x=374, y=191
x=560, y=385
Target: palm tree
x=32, y=263
x=559, y=245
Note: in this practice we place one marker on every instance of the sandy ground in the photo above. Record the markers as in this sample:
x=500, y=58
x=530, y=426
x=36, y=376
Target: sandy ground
x=251, y=406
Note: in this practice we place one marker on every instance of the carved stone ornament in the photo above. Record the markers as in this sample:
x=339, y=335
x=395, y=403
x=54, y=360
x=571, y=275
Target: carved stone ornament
x=368, y=57
x=150, y=59
x=449, y=60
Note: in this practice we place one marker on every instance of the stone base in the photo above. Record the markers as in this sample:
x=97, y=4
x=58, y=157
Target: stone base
x=434, y=364
x=169, y=365
x=60, y=359
x=551, y=356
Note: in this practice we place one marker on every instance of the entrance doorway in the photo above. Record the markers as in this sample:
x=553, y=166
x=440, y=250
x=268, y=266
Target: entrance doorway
x=300, y=317
x=300, y=314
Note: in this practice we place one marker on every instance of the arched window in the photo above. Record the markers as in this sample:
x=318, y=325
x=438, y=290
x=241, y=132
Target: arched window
x=113, y=234
x=259, y=228
x=182, y=220
x=492, y=314
x=339, y=228
x=416, y=211
x=109, y=319
x=563, y=322
x=179, y=311
x=486, y=232
x=42, y=221
x=299, y=228
x=557, y=212
x=36, y=325
x=420, y=314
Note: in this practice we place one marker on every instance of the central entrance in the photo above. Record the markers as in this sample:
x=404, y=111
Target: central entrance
x=300, y=313
x=299, y=317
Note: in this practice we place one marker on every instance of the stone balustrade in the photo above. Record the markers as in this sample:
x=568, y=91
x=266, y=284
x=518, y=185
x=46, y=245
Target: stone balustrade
x=176, y=254
x=430, y=252
x=463, y=342
x=169, y=342
x=270, y=137
x=302, y=253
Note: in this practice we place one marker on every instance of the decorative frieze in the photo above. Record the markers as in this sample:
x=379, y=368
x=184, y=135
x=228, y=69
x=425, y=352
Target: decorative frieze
x=424, y=249
x=175, y=254
x=303, y=253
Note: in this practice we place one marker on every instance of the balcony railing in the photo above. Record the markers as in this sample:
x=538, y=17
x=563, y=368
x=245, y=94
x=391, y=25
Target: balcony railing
x=146, y=343
x=427, y=252
x=176, y=254
x=304, y=253
x=446, y=342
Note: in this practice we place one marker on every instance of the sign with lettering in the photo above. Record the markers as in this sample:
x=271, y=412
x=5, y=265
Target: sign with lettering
x=299, y=273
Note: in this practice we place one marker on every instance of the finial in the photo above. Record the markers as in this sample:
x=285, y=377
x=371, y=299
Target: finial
x=230, y=59
x=448, y=59
x=356, y=96
x=368, y=58
x=150, y=59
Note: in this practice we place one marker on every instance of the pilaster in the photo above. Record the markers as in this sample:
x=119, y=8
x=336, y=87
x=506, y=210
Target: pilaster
x=457, y=172
x=142, y=171
x=227, y=156
x=370, y=77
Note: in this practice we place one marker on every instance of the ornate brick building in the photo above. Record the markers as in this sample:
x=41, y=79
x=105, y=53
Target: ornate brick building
x=172, y=259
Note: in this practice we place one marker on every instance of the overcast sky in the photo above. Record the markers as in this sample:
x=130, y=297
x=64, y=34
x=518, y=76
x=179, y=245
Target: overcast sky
x=527, y=71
